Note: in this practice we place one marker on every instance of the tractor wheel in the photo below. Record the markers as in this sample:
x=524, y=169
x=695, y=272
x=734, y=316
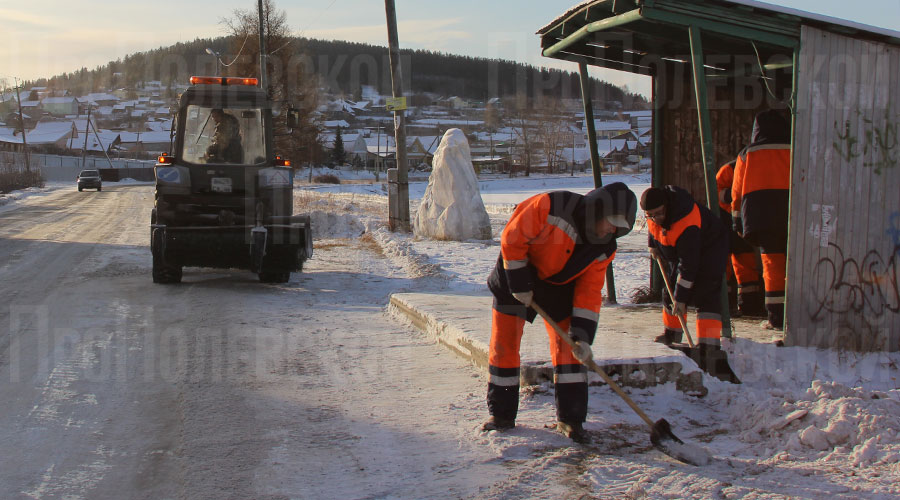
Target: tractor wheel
x=163, y=272
x=274, y=277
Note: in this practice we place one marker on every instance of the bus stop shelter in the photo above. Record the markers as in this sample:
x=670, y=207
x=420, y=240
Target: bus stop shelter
x=715, y=64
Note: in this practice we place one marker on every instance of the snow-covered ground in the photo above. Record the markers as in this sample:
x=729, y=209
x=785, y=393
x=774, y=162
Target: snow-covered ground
x=806, y=423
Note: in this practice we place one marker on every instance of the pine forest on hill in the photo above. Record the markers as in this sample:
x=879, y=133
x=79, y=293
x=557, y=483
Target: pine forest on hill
x=344, y=68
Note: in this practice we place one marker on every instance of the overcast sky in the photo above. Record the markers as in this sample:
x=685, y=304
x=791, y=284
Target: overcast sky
x=47, y=37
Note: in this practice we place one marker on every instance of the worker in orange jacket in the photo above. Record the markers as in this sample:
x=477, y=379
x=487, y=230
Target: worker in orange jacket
x=744, y=267
x=693, y=244
x=554, y=251
x=759, y=205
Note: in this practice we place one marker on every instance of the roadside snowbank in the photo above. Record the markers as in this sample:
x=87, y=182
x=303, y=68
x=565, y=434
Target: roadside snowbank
x=8, y=199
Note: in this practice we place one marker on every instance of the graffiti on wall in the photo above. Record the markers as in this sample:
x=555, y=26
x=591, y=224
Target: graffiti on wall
x=868, y=287
x=878, y=143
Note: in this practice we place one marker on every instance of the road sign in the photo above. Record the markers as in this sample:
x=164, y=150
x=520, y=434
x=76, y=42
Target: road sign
x=395, y=103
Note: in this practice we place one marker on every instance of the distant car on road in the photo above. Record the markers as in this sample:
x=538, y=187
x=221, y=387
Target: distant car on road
x=89, y=179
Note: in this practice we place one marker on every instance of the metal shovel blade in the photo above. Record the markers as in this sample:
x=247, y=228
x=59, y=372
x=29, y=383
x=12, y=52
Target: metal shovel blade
x=666, y=441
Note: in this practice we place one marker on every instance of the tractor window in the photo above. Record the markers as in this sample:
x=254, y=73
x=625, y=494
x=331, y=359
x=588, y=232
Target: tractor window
x=224, y=135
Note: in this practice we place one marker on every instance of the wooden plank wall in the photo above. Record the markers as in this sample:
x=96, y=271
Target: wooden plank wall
x=733, y=104
x=844, y=247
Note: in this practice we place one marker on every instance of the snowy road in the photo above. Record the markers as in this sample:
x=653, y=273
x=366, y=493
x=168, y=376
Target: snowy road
x=221, y=387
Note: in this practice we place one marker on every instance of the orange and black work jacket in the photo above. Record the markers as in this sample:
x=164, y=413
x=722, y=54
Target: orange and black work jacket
x=689, y=235
x=543, y=240
x=762, y=180
x=724, y=180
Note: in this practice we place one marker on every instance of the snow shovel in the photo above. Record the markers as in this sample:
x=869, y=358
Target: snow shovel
x=716, y=364
x=661, y=434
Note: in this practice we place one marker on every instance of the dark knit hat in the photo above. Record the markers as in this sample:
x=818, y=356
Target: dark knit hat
x=653, y=198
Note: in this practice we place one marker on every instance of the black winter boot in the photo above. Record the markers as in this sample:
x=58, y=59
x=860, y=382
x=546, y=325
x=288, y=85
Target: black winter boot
x=498, y=424
x=751, y=304
x=574, y=431
x=713, y=360
x=669, y=337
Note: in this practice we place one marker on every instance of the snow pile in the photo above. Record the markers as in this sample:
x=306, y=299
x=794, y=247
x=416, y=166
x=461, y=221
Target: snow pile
x=452, y=208
x=828, y=421
x=332, y=225
x=398, y=249
x=13, y=196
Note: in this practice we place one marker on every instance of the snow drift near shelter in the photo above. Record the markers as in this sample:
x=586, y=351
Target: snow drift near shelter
x=452, y=208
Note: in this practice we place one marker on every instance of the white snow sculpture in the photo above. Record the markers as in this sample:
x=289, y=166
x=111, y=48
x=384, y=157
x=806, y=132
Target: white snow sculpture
x=452, y=208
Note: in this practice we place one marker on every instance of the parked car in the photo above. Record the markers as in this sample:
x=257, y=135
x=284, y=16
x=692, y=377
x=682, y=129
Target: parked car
x=89, y=179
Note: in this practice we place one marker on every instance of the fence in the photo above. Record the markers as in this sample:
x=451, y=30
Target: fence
x=66, y=168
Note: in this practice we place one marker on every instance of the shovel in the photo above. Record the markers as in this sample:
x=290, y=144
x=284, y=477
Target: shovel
x=713, y=364
x=661, y=434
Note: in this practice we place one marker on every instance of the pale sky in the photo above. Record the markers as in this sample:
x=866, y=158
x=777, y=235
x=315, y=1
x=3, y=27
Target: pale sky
x=42, y=38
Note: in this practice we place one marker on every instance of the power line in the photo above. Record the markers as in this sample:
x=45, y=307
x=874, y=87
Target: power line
x=239, y=52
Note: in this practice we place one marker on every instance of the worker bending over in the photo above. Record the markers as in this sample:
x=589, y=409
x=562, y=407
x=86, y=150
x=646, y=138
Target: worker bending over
x=553, y=252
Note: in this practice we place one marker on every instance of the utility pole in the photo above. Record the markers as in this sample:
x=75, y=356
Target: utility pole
x=399, y=206
x=22, y=122
x=263, y=81
x=87, y=127
x=573, y=154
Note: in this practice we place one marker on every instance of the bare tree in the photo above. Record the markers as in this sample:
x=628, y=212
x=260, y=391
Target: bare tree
x=290, y=77
x=491, y=123
x=525, y=150
x=551, y=132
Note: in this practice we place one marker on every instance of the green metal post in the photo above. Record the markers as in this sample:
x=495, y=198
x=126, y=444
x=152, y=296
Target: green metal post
x=659, y=100
x=589, y=122
x=709, y=166
x=595, y=160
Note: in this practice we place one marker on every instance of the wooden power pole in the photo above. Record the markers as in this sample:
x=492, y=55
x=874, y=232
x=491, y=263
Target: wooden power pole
x=398, y=180
x=263, y=81
x=22, y=123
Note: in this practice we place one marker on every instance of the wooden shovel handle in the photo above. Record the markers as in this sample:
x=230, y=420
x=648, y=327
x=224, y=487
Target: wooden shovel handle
x=593, y=366
x=681, y=318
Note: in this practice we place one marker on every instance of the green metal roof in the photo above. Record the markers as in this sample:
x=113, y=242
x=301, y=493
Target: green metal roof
x=639, y=35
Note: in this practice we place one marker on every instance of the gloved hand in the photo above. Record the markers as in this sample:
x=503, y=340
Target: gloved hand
x=525, y=298
x=582, y=352
x=737, y=224
x=679, y=309
x=655, y=253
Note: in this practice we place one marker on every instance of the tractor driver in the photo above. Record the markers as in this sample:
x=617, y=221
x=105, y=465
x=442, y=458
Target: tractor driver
x=226, y=144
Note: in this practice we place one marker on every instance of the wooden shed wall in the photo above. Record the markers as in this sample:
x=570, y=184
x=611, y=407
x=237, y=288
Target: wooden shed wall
x=844, y=247
x=732, y=105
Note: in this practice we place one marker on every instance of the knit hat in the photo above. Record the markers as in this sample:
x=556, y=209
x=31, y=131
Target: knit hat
x=653, y=198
